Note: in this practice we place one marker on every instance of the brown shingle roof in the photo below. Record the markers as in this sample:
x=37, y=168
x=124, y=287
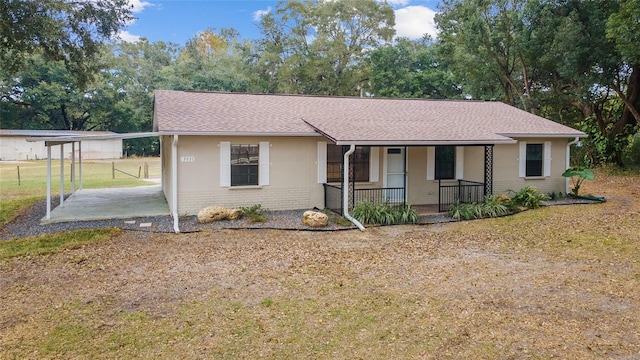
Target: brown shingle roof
x=350, y=120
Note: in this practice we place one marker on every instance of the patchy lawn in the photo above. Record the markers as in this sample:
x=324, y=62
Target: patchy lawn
x=561, y=282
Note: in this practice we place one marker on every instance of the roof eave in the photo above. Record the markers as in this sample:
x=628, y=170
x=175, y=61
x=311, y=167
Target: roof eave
x=239, y=133
x=73, y=138
x=547, y=135
x=424, y=142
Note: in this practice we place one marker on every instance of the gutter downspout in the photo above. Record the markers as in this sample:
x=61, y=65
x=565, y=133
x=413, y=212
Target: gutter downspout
x=567, y=162
x=174, y=183
x=345, y=188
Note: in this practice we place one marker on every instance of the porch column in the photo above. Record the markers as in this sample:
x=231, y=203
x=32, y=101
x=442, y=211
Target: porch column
x=404, y=179
x=488, y=169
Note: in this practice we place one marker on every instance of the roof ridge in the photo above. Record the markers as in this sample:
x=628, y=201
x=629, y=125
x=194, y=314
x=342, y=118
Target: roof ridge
x=321, y=96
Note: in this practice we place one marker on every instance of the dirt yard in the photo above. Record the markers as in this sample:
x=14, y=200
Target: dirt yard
x=558, y=282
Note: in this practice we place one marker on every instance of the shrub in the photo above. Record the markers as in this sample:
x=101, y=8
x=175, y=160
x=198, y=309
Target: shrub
x=528, y=197
x=256, y=213
x=462, y=211
x=578, y=174
x=493, y=206
x=384, y=214
x=631, y=155
x=406, y=214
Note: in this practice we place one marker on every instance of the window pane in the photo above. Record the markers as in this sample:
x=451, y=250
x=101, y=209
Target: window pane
x=445, y=162
x=534, y=160
x=359, y=161
x=334, y=163
x=244, y=165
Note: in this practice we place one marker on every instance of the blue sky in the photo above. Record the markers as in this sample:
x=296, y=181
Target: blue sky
x=180, y=20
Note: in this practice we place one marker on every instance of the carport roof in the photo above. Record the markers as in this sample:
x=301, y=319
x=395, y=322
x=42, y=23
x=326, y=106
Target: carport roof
x=65, y=138
x=49, y=133
x=349, y=120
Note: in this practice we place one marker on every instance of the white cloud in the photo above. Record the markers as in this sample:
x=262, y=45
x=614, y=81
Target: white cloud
x=257, y=16
x=128, y=37
x=139, y=5
x=415, y=21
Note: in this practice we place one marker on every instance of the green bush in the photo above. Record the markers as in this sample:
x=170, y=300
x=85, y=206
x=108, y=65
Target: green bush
x=384, y=214
x=631, y=155
x=256, y=213
x=578, y=174
x=528, y=197
x=493, y=206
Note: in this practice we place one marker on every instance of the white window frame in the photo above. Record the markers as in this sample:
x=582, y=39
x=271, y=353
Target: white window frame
x=374, y=163
x=546, y=156
x=431, y=163
x=225, y=164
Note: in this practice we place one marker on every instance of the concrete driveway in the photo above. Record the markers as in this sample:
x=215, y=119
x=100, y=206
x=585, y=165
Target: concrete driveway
x=111, y=203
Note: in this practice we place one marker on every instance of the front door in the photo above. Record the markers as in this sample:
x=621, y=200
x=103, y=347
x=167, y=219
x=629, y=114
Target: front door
x=394, y=175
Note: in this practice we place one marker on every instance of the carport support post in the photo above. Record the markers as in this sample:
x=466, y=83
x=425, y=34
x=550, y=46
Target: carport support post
x=48, y=181
x=80, y=163
x=73, y=168
x=62, y=175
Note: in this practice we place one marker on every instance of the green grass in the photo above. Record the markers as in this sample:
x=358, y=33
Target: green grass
x=17, y=194
x=11, y=208
x=50, y=244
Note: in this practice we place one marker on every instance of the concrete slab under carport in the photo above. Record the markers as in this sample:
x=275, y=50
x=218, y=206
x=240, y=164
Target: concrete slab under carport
x=111, y=203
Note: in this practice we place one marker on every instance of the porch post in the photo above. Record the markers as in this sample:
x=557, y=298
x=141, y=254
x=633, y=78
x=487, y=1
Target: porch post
x=404, y=179
x=488, y=170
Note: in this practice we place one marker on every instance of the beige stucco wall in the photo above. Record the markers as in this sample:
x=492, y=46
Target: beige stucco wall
x=165, y=161
x=293, y=173
x=505, y=171
x=292, y=181
x=423, y=191
x=506, y=168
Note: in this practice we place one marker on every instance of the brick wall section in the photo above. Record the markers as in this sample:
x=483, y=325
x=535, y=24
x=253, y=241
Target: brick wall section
x=292, y=181
x=273, y=199
x=506, y=168
x=293, y=173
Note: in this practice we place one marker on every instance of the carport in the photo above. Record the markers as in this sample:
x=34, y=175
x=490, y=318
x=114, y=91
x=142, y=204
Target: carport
x=95, y=204
x=111, y=203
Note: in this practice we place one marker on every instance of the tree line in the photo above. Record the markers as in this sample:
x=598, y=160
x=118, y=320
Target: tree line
x=573, y=61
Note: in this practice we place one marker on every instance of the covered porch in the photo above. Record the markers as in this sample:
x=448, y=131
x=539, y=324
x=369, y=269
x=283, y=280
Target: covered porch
x=348, y=192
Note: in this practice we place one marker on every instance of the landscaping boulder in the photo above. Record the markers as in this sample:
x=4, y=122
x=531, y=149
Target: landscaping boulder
x=315, y=219
x=217, y=213
x=234, y=214
x=212, y=213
